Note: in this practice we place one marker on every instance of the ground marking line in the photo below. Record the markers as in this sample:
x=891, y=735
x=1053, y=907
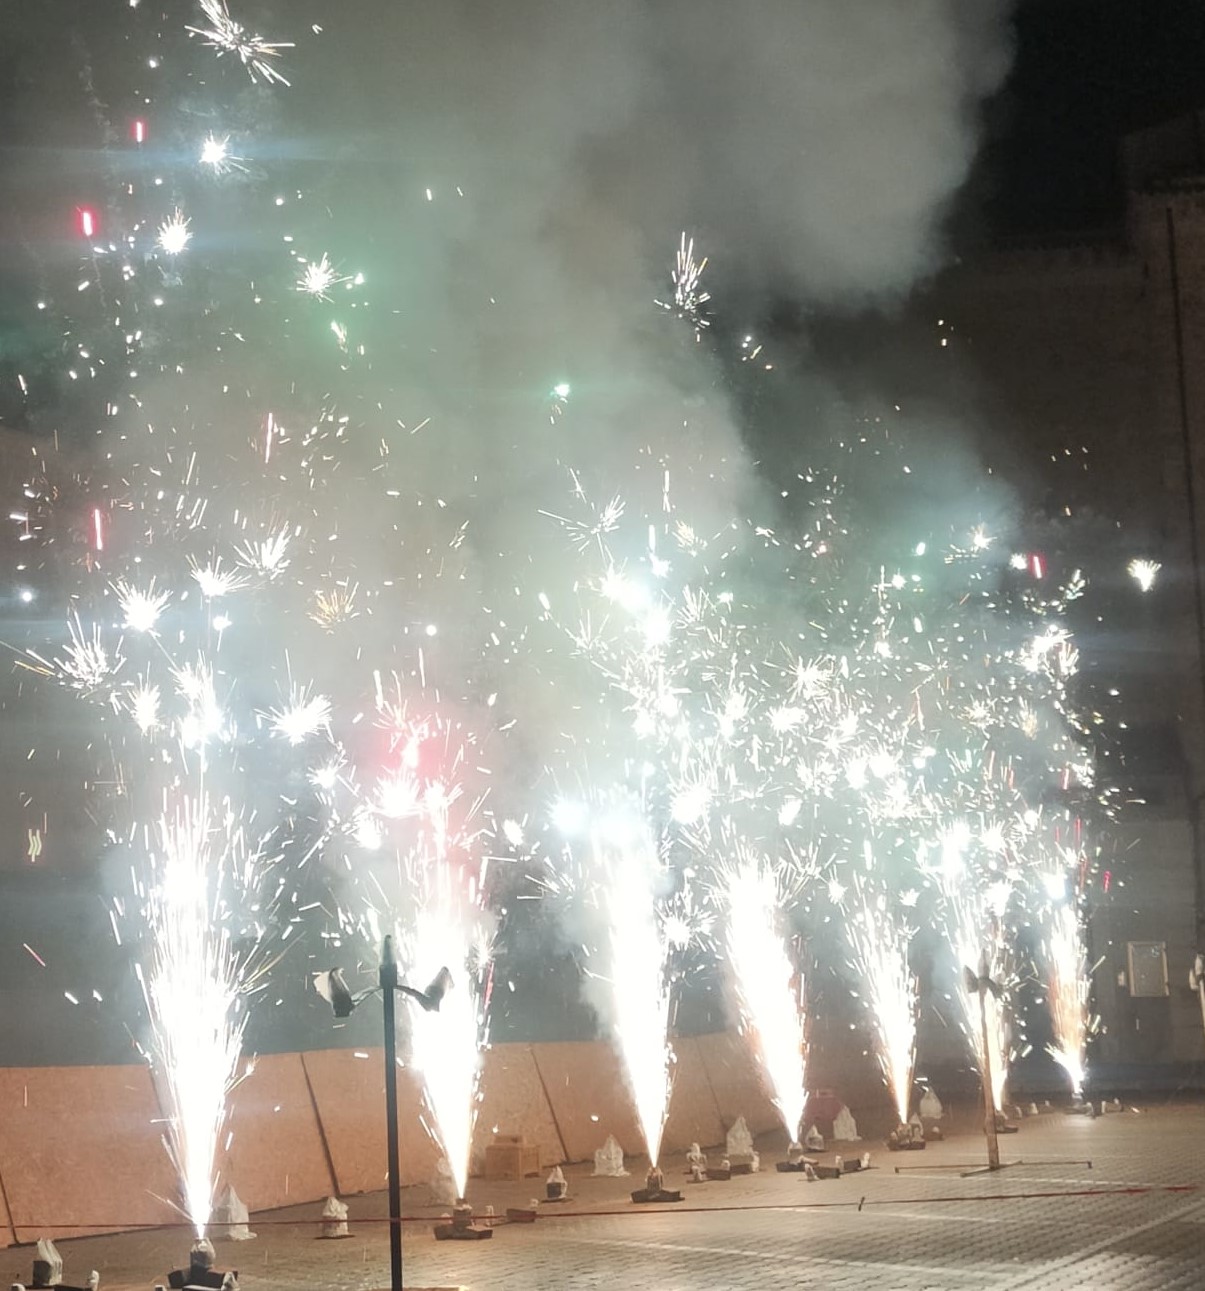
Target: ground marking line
x=779, y=1258
x=1039, y=1277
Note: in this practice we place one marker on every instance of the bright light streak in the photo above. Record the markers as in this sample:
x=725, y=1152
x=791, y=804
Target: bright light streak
x=972, y=930
x=880, y=942
x=1068, y=985
x=448, y=1044
x=769, y=988
x=192, y=994
x=637, y=968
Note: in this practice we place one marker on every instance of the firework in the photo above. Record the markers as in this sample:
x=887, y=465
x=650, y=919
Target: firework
x=977, y=934
x=879, y=941
x=637, y=972
x=1144, y=572
x=303, y=716
x=1068, y=986
x=193, y=992
x=141, y=609
x=319, y=278
x=689, y=297
x=432, y=893
x=174, y=234
x=215, y=153
x=450, y=930
x=768, y=985
x=230, y=37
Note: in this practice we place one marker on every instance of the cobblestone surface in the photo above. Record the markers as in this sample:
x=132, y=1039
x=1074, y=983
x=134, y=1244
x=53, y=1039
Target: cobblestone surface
x=1134, y=1218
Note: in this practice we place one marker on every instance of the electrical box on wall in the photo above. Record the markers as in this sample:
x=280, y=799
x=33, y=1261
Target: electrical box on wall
x=1147, y=963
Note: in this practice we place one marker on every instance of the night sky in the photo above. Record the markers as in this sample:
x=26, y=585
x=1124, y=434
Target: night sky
x=1086, y=72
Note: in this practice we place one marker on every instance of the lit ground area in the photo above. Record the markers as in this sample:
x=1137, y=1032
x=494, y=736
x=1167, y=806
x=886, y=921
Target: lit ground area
x=1134, y=1218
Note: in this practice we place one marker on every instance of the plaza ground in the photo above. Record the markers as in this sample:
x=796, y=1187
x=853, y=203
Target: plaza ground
x=1133, y=1218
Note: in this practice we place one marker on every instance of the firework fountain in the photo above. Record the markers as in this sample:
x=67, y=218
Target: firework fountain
x=194, y=988
x=879, y=941
x=637, y=973
x=415, y=840
x=768, y=984
x=1068, y=984
x=610, y=881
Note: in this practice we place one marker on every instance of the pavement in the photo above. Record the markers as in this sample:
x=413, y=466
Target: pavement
x=1115, y=1202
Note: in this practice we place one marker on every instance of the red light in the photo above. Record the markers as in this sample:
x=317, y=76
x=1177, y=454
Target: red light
x=138, y=130
x=1107, y=880
x=1037, y=566
x=87, y=221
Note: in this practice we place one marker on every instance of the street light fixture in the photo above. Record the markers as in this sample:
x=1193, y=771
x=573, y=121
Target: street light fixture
x=333, y=988
x=980, y=984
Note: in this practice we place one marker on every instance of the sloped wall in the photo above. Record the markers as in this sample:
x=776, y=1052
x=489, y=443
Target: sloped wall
x=81, y=1147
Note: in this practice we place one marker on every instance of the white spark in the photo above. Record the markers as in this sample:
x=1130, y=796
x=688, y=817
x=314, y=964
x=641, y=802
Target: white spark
x=141, y=609
x=230, y=37
x=319, y=277
x=1144, y=572
x=304, y=715
x=174, y=234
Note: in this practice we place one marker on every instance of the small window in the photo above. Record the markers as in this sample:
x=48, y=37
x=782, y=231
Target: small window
x=1148, y=968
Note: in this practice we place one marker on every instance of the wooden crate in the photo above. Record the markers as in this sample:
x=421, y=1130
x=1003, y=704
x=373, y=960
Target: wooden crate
x=508, y=1157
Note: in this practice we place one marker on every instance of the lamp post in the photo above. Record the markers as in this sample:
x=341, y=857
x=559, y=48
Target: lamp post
x=334, y=989
x=981, y=983
x=388, y=982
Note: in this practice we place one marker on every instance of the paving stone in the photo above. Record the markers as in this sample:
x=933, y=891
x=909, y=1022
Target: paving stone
x=1051, y=1222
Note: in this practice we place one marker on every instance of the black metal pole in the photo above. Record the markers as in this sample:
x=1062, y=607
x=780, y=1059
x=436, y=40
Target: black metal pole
x=388, y=981
x=989, y=1101
x=1190, y=486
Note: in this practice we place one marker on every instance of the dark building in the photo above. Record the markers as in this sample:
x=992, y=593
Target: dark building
x=1090, y=352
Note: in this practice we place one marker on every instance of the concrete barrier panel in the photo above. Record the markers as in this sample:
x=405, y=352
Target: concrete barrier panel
x=80, y=1149
x=694, y=1116
x=513, y=1102
x=349, y=1092
x=737, y=1081
x=276, y=1157
x=589, y=1096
